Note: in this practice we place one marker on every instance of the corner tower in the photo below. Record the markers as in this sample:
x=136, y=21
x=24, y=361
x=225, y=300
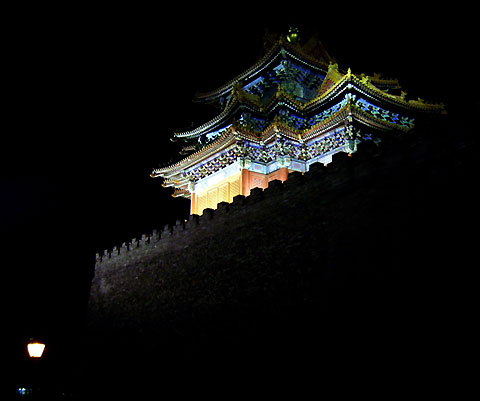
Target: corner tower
x=294, y=107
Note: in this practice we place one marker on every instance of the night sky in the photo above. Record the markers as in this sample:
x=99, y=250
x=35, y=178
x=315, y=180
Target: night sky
x=93, y=96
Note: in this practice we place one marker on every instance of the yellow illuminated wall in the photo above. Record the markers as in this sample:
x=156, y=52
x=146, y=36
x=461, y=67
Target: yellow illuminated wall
x=237, y=184
x=224, y=191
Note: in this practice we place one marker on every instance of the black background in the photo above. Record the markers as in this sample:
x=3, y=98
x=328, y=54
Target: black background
x=93, y=95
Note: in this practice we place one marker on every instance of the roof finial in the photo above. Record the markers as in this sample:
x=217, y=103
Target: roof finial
x=293, y=35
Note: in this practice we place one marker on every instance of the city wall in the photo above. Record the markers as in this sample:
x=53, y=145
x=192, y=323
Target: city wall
x=346, y=254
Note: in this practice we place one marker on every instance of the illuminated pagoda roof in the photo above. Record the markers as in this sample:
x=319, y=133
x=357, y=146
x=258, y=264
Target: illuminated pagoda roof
x=292, y=108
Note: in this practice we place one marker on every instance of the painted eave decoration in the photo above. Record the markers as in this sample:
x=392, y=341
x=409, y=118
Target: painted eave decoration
x=295, y=106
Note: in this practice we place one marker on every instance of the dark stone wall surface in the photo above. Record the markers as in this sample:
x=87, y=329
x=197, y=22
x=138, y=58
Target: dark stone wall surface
x=358, y=266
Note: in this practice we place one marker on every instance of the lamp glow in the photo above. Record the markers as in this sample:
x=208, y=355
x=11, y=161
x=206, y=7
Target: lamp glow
x=35, y=349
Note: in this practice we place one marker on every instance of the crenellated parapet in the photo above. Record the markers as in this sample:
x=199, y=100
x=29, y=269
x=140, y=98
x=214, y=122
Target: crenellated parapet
x=344, y=169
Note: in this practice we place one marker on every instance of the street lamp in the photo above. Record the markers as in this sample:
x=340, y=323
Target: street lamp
x=35, y=348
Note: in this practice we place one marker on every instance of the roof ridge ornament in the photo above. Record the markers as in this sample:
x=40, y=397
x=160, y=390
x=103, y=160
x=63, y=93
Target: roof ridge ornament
x=293, y=35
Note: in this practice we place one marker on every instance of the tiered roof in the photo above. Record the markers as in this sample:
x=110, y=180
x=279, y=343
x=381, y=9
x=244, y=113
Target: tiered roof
x=289, y=103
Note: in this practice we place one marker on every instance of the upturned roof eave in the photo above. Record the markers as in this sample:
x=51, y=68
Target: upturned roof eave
x=276, y=51
x=212, y=124
x=226, y=140
x=226, y=115
x=265, y=61
x=172, y=174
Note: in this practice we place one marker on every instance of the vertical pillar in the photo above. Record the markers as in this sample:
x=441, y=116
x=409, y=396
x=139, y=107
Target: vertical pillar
x=245, y=182
x=193, y=203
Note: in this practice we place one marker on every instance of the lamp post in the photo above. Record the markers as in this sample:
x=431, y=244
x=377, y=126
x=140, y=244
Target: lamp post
x=33, y=385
